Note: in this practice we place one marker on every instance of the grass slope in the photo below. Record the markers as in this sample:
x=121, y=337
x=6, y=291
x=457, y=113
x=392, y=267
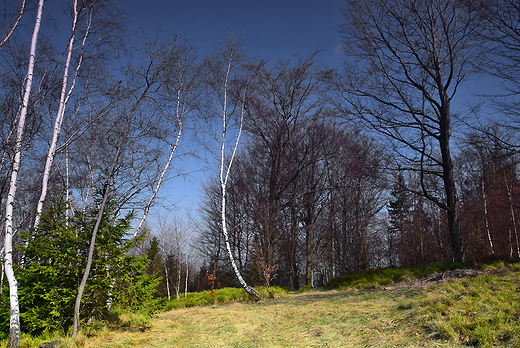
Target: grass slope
x=483, y=311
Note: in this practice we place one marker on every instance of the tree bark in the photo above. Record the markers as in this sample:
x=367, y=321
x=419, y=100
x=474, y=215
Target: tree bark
x=513, y=218
x=415, y=56
x=486, y=219
x=456, y=241
x=64, y=98
x=14, y=321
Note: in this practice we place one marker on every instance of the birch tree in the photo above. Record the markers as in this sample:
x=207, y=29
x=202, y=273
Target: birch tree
x=222, y=77
x=64, y=96
x=14, y=323
x=178, y=62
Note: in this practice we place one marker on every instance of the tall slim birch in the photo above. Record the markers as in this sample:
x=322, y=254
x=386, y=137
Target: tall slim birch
x=178, y=117
x=221, y=97
x=64, y=97
x=14, y=322
x=174, y=61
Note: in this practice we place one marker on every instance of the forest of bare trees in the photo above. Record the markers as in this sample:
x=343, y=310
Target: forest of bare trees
x=314, y=172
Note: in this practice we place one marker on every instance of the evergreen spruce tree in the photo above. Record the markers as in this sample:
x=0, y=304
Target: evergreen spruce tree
x=56, y=254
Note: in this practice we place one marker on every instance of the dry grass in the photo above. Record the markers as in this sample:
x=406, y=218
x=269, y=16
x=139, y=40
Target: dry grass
x=477, y=311
x=313, y=319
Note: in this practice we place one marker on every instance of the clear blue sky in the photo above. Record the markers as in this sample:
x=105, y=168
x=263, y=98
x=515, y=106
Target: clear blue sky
x=272, y=29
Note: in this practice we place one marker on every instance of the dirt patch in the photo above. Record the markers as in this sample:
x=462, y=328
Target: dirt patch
x=435, y=278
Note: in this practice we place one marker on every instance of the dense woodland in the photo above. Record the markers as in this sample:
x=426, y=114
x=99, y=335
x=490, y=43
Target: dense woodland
x=315, y=172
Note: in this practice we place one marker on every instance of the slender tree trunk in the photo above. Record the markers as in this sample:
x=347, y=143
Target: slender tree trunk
x=513, y=217
x=187, y=268
x=69, y=212
x=167, y=281
x=14, y=321
x=101, y=211
x=178, y=285
x=159, y=183
x=186, y=282
x=83, y=283
x=456, y=242
x=224, y=175
x=486, y=220
x=64, y=98
x=252, y=292
x=101, y=208
x=2, y=272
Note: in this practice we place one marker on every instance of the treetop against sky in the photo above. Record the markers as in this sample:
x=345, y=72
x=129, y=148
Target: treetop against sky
x=273, y=30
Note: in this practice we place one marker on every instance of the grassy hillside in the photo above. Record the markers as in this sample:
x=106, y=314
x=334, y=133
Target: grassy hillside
x=481, y=311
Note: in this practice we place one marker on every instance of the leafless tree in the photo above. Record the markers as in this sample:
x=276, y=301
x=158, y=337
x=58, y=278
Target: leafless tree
x=65, y=93
x=502, y=34
x=176, y=100
x=135, y=117
x=226, y=91
x=284, y=101
x=406, y=61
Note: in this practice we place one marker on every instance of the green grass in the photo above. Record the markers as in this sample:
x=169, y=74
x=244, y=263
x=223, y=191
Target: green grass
x=482, y=311
x=380, y=278
x=224, y=295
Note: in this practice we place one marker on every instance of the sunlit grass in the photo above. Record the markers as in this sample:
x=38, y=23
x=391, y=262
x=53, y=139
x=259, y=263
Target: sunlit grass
x=380, y=278
x=311, y=319
x=482, y=311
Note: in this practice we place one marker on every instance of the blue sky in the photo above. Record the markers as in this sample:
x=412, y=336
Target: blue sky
x=272, y=30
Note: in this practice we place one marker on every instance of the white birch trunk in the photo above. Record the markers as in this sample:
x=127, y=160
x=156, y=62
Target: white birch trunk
x=69, y=212
x=486, y=220
x=223, y=183
x=64, y=98
x=513, y=218
x=14, y=321
x=2, y=271
x=187, y=270
x=186, y=283
x=159, y=183
x=167, y=281
x=178, y=117
x=178, y=285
